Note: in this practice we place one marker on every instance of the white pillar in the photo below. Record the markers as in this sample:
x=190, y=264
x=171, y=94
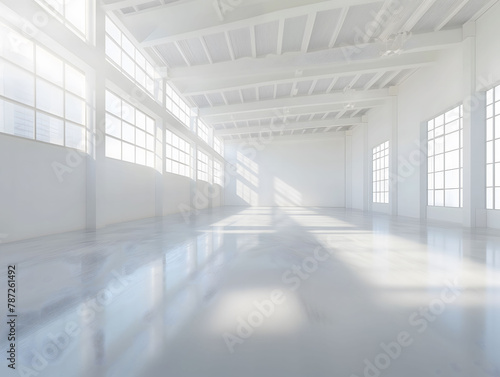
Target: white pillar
x=474, y=134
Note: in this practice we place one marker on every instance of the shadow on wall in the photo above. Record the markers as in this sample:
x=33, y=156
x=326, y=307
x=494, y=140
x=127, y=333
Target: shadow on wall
x=247, y=185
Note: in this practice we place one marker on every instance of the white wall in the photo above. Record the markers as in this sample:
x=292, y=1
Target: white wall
x=128, y=192
x=358, y=167
x=177, y=193
x=33, y=201
x=307, y=171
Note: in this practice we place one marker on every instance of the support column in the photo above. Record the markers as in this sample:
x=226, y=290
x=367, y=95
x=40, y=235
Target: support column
x=474, y=134
x=348, y=169
x=368, y=172
x=394, y=153
x=96, y=128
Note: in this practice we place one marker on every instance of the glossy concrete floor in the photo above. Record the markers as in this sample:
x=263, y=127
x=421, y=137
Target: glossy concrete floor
x=259, y=292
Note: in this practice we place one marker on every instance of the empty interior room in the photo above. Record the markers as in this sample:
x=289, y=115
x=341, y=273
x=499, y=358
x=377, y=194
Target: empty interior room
x=227, y=188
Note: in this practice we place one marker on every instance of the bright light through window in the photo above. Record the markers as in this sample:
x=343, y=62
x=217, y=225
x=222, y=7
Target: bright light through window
x=179, y=155
x=219, y=146
x=203, y=167
x=381, y=173
x=178, y=107
x=130, y=134
x=121, y=51
x=46, y=100
x=72, y=13
x=203, y=132
x=493, y=148
x=218, y=179
x=445, y=164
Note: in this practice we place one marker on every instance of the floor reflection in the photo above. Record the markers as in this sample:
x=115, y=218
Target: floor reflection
x=259, y=291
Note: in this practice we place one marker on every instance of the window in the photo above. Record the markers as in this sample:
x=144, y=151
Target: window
x=42, y=97
x=445, y=163
x=122, y=52
x=179, y=155
x=493, y=148
x=203, y=132
x=218, y=146
x=177, y=107
x=381, y=173
x=130, y=134
x=73, y=14
x=203, y=167
x=218, y=173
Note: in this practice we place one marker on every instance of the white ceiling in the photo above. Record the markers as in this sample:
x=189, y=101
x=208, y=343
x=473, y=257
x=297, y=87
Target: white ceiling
x=304, y=66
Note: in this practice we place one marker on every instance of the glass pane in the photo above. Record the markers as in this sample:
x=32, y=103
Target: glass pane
x=439, y=180
x=430, y=181
x=113, y=148
x=140, y=156
x=128, y=112
x=128, y=152
x=439, y=162
x=489, y=97
x=452, y=160
x=430, y=197
x=489, y=129
x=113, y=51
x=439, y=145
x=497, y=150
x=75, y=81
x=430, y=165
x=75, y=109
x=49, y=97
x=49, y=129
x=489, y=175
x=140, y=138
x=497, y=198
x=452, y=179
x=128, y=132
x=489, y=152
x=113, y=30
x=452, y=198
x=17, y=49
x=113, y=104
x=439, y=198
x=497, y=175
x=489, y=198
x=113, y=126
x=49, y=66
x=17, y=84
x=452, y=115
x=75, y=136
x=75, y=12
x=452, y=141
x=128, y=65
x=17, y=120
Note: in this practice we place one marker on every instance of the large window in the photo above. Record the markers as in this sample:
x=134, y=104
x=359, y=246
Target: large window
x=219, y=146
x=42, y=97
x=381, y=173
x=218, y=178
x=493, y=148
x=203, y=167
x=121, y=51
x=179, y=155
x=73, y=14
x=445, y=145
x=203, y=132
x=130, y=134
x=177, y=107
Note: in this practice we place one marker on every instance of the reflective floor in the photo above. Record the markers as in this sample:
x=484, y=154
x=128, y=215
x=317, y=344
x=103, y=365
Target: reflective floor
x=258, y=292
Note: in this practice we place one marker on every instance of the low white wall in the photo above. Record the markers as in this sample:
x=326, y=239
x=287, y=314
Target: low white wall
x=33, y=200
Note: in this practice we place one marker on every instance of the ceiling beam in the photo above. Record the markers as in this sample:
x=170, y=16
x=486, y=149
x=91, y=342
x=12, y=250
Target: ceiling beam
x=289, y=103
x=452, y=14
x=240, y=74
x=291, y=126
x=306, y=39
x=418, y=14
x=338, y=27
x=289, y=112
x=171, y=28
